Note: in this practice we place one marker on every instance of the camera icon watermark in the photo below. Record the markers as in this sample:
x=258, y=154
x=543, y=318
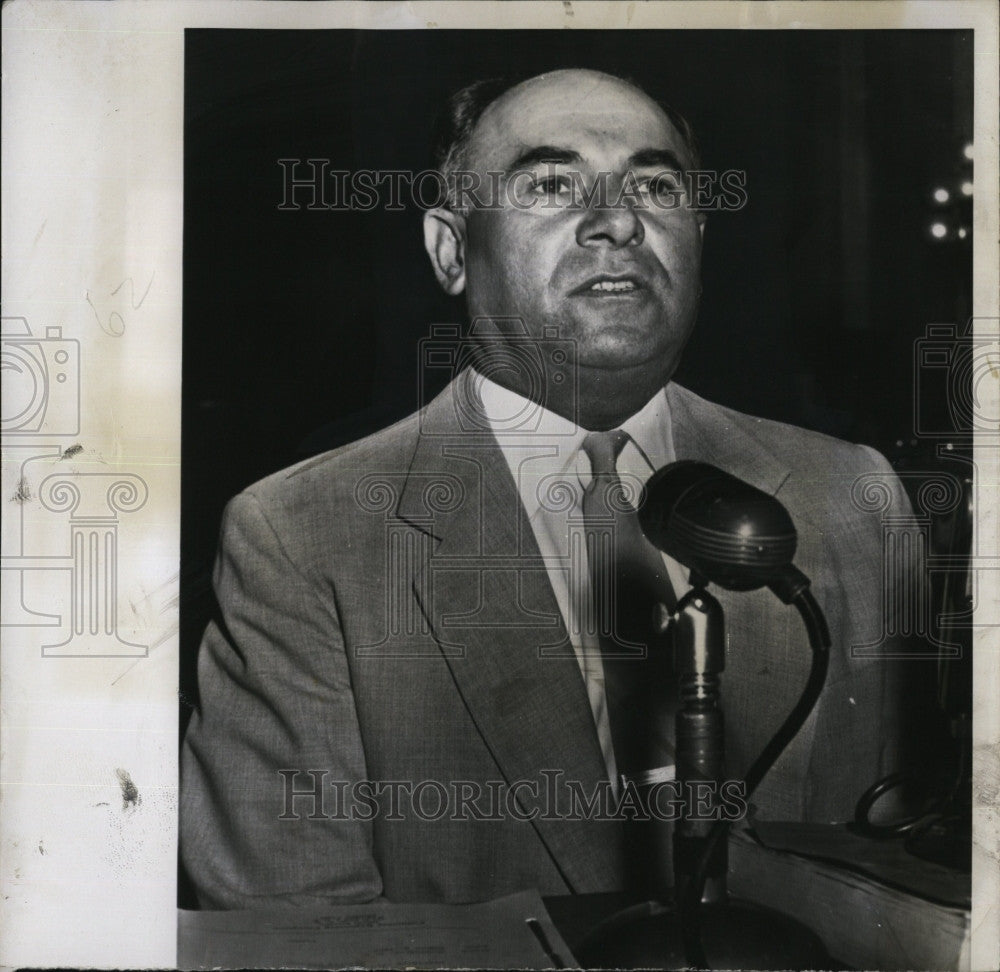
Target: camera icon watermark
x=499, y=350
x=956, y=374
x=41, y=381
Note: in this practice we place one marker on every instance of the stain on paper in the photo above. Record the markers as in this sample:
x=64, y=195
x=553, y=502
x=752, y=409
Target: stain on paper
x=130, y=792
x=23, y=492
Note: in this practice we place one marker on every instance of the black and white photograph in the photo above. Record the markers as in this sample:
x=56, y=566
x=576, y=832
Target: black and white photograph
x=503, y=485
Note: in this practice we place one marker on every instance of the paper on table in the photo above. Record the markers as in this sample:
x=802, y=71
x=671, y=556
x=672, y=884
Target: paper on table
x=495, y=934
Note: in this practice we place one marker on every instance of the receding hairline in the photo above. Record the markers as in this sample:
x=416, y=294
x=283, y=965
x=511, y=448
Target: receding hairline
x=559, y=73
x=625, y=83
x=459, y=123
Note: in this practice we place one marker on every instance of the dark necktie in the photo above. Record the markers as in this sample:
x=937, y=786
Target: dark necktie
x=629, y=583
x=630, y=588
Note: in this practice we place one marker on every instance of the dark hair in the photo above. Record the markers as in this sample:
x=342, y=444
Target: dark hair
x=461, y=114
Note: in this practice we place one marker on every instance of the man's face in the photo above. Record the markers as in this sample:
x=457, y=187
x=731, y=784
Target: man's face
x=619, y=279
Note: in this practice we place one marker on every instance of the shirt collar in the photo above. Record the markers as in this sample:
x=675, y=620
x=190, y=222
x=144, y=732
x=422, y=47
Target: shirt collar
x=651, y=434
x=538, y=443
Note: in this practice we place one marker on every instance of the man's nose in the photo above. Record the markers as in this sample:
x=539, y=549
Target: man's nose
x=611, y=224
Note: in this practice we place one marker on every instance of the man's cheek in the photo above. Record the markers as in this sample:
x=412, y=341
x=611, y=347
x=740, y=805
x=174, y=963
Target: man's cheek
x=679, y=254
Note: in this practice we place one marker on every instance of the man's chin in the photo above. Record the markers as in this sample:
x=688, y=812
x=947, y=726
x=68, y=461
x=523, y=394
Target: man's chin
x=618, y=361
x=608, y=391
x=624, y=342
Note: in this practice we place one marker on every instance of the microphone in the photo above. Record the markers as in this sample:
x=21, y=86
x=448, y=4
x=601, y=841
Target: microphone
x=724, y=529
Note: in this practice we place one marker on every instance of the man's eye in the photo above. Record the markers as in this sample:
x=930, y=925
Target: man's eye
x=664, y=185
x=551, y=185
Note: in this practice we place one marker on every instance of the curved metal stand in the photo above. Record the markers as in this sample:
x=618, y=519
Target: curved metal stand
x=707, y=928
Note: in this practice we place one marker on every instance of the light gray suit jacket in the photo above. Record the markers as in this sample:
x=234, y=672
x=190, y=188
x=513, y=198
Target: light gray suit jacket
x=385, y=616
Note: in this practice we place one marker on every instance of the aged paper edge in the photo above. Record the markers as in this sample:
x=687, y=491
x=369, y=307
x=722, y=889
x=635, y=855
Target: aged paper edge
x=92, y=184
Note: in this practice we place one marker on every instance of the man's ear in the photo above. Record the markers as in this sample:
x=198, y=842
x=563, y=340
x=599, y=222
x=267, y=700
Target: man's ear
x=444, y=240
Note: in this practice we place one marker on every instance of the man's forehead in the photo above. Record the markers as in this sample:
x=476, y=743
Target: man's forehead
x=580, y=110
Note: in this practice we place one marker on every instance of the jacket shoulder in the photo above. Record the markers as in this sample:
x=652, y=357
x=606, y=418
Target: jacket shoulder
x=388, y=451
x=799, y=449
x=331, y=502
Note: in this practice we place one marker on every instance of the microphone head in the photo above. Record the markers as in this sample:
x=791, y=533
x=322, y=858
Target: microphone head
x=731, y=533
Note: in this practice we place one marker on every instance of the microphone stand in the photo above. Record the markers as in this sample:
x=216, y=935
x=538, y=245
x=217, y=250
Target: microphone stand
x=736, y=933
x=707, y=928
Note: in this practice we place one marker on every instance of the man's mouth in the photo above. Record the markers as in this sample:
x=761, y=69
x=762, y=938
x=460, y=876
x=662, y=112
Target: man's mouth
x=604, y=285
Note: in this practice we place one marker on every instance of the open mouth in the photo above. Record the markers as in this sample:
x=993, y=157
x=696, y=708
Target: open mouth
x=604, y=286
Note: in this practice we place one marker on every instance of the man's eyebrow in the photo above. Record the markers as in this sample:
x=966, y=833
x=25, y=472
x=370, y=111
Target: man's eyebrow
x=648, y=158
x=544, y=153
x=657, y=158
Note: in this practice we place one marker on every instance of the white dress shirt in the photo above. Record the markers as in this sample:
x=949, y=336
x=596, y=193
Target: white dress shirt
x=545, y=455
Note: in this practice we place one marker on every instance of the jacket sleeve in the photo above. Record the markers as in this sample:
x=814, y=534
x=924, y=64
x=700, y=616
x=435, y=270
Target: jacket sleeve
x=861, y=729
x=276, y=714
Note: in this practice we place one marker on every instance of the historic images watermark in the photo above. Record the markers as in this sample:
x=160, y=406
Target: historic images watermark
x=312, y=185
x=309, y=794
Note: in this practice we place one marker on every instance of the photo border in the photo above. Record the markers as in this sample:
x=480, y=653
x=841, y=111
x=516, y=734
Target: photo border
x=92, y=238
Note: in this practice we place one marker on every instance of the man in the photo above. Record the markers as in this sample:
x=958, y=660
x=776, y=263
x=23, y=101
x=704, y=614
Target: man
x=407, y=610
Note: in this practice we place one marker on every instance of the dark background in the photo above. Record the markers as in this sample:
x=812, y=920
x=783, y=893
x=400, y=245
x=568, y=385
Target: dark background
x=301, y=328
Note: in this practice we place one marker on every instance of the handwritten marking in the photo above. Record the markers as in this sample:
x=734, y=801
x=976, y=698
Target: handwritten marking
x=115, y=323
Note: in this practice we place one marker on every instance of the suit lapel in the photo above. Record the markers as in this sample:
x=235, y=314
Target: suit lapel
x=486, y=595
x=709, y=433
